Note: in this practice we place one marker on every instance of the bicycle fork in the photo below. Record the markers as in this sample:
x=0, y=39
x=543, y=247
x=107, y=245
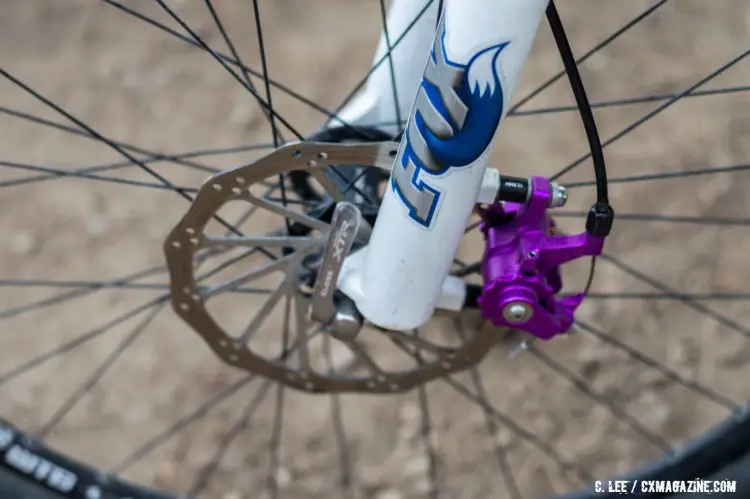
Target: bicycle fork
x=437, y=178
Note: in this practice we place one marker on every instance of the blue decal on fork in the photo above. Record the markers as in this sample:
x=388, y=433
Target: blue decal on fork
x=457, y=111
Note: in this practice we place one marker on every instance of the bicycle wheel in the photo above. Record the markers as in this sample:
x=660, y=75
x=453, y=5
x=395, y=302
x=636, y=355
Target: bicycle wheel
x=104, y=387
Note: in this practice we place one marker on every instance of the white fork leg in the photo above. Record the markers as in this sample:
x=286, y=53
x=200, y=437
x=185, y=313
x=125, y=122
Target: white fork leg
x=377, y=105
x=477, y=58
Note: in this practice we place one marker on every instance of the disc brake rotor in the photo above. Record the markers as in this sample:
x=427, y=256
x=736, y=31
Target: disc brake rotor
x=188, y=244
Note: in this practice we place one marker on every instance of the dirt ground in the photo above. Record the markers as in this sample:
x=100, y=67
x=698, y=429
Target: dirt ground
x=136, y=84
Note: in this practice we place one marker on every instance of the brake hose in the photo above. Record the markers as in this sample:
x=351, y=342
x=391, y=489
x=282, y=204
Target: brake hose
x=601, y=215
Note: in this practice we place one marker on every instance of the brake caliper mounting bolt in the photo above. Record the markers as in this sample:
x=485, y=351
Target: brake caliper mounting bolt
x=517, y=312
x=559, y=196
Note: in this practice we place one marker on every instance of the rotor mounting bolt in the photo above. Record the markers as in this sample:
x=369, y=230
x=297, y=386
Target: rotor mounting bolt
x=517, y=312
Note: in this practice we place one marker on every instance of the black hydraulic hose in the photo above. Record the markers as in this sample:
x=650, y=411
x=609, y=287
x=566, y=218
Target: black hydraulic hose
x=601, y=215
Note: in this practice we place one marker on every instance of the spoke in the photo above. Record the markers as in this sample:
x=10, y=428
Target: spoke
x=355, y=180
x=501, y=417
x=223, y=64
x=689, y=302
x=238, y=223
x=95, y=285
x=335, y=192
x=82, y=172
x=631, y=101
x=81, y=292
x=89, y=286
x=653, y=113
x=415, y=340
x=126, y=281
x=196, y=415
x=386, y=57
x=271, y=113
x=521, y=432
x=223, y=265
x=664, y=370
x=273, y=266
x=57, y=173
x=172, y=158
x=275, y=442
x=333, y=115
x=196, y=41
x=31, y=283
x=614, y=409
x=98, y=373
x=54, y=173
x=294, y=242
x=654, y=217
x=472, y=268
x=678, y=296
x=492, y=428
x=355, y=90
x=285, y=212
x=303, y=336
x=264, y=67
x=500, y=451
x=277, y=138
x=650, y=296
x=301, y=202
x=242, y=424
x=607, y=103
x=389, y=53
x=328, y=185
x=584, y=57
x=339, y=431
x=664, y=175
x=250, y=212
x=364, y=357
x=182, y=192
x=181, y=424
x=88, y=336
x=79, y=340
x=460, y=263
x=90, y=130
x=278, y=421
x=167, y=157
x=265, y=310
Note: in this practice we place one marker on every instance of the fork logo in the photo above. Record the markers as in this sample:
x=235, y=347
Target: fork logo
x=457, y=111
x=341, y=238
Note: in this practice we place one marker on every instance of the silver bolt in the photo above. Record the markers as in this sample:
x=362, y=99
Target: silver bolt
x=517, y=312
x=559, y=196
x=348, y=320
x=521, y=347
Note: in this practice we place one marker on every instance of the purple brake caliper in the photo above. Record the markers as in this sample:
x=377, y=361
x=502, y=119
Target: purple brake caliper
x=521, y=264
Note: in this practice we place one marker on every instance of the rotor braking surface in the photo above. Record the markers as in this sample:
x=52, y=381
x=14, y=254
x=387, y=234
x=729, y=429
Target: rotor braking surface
x=295, y=255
